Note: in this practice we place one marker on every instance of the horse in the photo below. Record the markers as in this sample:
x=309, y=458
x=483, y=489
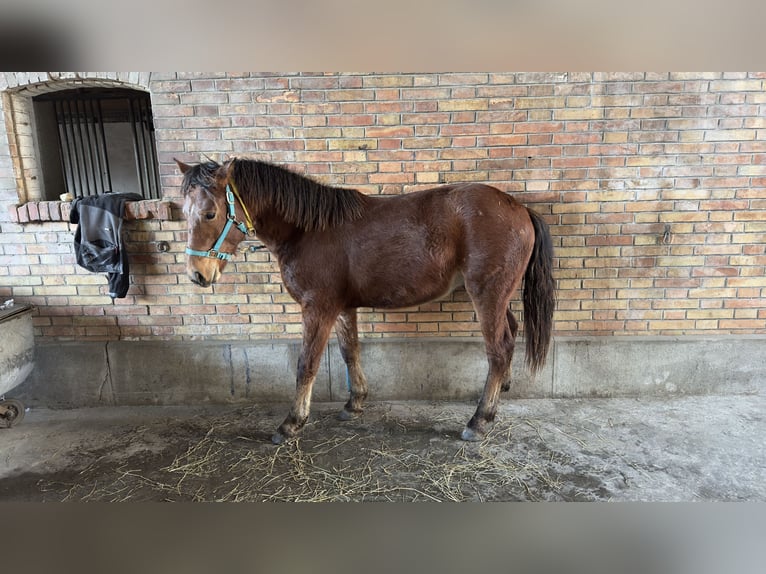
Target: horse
x=339, y=249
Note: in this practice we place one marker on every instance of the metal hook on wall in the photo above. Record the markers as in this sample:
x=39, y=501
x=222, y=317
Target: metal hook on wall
x=666, y=236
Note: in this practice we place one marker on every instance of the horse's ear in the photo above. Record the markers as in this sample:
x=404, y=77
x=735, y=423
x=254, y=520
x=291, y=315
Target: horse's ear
x=228, y=166
x=182, y=166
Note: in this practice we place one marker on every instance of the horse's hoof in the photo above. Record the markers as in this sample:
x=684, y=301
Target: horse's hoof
x=278, y=438
x=345, y=415
x=471, y=435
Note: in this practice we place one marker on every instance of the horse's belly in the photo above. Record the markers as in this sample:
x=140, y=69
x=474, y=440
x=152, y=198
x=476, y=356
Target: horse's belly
x=401, y=295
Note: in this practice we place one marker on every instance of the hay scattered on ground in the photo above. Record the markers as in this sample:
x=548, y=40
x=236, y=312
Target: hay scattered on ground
x=356, y=464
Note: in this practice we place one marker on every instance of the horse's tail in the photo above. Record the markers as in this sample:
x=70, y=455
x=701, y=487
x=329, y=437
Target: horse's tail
x=539, y=295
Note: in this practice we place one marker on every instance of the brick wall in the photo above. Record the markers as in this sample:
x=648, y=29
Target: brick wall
x=654, y=185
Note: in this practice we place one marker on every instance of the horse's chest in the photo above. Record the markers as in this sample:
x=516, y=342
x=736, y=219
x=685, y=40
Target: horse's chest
x=295, y=281
x=306, y=277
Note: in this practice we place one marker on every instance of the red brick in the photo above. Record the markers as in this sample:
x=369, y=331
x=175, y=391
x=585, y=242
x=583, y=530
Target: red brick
x=22, y=213
x=502, y=140
x=389, y=132
x=351, y=120
x=57, y=211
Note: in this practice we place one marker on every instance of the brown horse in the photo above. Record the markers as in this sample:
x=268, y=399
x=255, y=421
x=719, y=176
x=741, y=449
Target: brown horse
x=339, y=249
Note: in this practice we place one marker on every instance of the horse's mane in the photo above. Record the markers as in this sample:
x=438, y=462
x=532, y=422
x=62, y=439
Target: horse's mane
x=300, y=200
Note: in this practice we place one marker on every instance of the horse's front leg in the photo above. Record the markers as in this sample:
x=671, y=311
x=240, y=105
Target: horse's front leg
x=316, y=330
x=348, y=338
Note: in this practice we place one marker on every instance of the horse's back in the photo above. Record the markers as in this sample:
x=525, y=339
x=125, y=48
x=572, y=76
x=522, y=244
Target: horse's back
x=439, y=204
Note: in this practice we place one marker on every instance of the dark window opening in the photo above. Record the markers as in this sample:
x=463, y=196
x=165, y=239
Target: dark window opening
x=96, y=140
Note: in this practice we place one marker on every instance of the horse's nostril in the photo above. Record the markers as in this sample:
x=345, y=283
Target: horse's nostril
x=198, y=278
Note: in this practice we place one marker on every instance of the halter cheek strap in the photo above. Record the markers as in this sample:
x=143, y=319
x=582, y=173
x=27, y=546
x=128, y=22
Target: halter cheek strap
x=231, y=221
x=248, y=220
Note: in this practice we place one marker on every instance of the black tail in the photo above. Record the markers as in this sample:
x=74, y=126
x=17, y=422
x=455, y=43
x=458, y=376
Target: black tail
x=539, y=295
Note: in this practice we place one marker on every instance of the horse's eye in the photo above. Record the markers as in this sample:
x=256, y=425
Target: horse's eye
x=210, y=215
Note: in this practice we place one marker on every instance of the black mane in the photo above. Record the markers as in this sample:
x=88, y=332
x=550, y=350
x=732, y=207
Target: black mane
x=299, y=200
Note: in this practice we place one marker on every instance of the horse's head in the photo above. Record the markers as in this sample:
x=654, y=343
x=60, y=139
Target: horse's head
x=213, y=231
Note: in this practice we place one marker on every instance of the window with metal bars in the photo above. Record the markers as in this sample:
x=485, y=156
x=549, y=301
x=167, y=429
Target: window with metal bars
x=96, y=140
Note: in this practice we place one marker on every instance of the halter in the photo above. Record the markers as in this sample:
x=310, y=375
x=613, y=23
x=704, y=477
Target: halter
x=247, y=228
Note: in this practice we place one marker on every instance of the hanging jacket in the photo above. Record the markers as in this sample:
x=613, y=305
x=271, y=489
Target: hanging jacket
x=98, y=242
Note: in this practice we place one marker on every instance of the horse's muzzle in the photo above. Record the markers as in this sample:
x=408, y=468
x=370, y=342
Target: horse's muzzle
x=196, y=277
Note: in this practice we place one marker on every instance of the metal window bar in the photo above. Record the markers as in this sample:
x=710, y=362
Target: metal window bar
x=74, y=177
x=101, y=158
x=151, y=150
x=135, y=126
x=84, y=147
x=143, y=143
x=65, y=150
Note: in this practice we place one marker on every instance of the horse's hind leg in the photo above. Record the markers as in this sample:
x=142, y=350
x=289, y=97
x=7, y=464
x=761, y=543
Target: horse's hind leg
x=492, y=308
x=348, y=338
x=513, y=327
x=316, y=331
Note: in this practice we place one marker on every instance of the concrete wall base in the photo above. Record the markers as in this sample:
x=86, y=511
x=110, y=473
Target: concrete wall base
x=183, y=373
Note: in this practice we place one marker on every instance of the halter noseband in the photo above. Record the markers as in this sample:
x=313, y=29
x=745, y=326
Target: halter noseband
x=247, y=228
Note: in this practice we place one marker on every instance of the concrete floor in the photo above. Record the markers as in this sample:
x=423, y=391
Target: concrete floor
x=682, y=449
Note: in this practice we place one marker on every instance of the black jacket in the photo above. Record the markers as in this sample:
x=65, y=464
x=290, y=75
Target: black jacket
x=98, y=240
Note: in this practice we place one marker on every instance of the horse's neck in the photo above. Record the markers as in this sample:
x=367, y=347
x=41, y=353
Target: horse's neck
x=274, y=232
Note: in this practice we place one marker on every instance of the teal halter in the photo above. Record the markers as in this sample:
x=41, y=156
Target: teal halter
x=231, y=221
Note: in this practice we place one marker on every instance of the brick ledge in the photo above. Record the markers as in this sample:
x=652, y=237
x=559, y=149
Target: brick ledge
x=40, y=211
